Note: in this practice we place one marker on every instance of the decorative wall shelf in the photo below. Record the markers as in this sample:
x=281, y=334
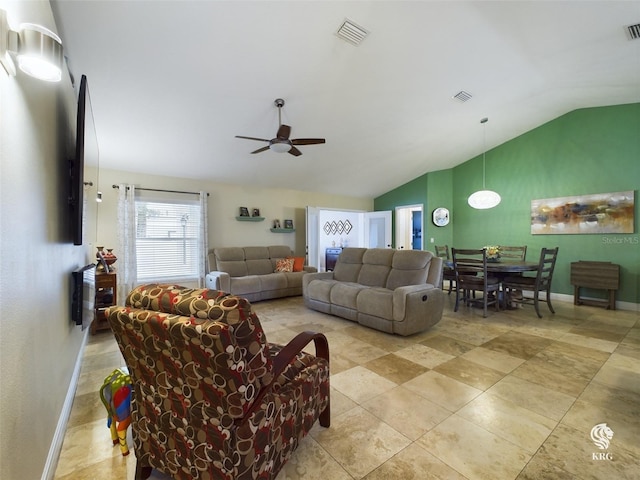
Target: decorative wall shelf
x=249, y=219
x=283, y=230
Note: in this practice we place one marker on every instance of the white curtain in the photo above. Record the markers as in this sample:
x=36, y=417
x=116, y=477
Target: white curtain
x=127, y=270
x=204, y=235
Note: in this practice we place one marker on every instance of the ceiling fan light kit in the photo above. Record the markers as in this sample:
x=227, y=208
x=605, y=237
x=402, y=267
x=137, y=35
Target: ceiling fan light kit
x=280, y=147
x=484, y=199
x=281, y=143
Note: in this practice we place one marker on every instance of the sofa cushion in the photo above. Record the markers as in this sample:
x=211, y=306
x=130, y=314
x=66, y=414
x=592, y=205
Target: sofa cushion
x=256, y=253
x=272, y=281
x=231, y=261
x=233, y=268
x=260, y=266
x=294, y=279
x=279, y=251
x=376, y=301
x=409, y=267
x=376, y=264
x=349, y=264
x=245, y=285
x=345, y=294
x=320, y=290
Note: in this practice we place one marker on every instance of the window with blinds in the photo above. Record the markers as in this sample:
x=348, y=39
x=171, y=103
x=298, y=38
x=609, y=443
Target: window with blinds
x=167, y=245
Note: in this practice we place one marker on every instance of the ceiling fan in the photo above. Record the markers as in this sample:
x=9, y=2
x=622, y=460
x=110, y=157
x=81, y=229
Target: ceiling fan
x=281, y=143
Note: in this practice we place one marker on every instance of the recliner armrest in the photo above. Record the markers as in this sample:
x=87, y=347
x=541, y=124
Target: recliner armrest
x=308, y=277
x=286, y=356
x=414, y=298
x=218, y=281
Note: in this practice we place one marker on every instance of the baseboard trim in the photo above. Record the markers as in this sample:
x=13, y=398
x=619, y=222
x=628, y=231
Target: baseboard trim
x=61, y=428
x=629, y=306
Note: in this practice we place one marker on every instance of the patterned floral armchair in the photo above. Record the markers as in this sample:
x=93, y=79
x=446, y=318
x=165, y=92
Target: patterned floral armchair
x=211, y=398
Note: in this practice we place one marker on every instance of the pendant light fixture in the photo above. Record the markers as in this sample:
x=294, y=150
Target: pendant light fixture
x=483, y=199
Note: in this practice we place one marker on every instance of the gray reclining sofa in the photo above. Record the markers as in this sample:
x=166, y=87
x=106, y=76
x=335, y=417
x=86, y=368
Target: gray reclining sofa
x=395, y=291
x=249, y=272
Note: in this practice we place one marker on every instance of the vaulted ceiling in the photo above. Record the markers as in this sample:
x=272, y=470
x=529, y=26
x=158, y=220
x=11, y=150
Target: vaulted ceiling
x=173, y=82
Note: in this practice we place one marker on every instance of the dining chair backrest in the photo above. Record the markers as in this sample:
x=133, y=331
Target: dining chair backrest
x=470, y=267
x=469, y=261
x=521, y=284
x=442, y=251
x=515, y=253
x=546, y=266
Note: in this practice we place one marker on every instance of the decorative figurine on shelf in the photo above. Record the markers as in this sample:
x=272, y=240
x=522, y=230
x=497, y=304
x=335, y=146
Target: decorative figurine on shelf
x=244, y=212
x=276, y=223
x=116, y=397
x=105, y=260
x=256, y=212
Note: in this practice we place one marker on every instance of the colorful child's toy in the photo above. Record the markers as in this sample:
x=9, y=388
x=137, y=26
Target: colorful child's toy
x=116, y=396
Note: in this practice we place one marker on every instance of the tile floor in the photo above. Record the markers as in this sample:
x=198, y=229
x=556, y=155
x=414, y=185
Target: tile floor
x=506, y=397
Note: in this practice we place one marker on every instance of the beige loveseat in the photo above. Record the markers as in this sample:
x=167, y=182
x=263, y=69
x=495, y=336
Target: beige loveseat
x=250, y=272
x=396, y=291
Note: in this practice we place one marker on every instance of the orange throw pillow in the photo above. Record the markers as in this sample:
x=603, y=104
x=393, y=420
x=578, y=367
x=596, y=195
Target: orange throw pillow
x=298, y=264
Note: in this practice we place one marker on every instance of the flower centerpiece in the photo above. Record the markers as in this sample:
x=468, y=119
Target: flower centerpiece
x=493, y=253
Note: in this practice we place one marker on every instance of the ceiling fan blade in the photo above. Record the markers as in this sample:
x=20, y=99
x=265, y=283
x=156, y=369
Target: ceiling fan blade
x=295, y=152
x=261, y=149
x=253, y=138
x=284, y=131
x=307, y=141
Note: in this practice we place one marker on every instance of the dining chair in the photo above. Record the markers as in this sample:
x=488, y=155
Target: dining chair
x=514, y=253
x=448, y=274
x=470, y=267
x=514, y=287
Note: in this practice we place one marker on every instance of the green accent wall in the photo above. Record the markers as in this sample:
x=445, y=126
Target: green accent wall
x=592, y=150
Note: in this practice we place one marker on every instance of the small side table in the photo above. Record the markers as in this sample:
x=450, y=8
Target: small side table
x=598, y=276
x=331, y=257
x=106, y=296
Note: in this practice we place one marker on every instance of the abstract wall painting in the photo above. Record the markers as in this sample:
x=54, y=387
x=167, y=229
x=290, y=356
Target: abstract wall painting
x=584, y=214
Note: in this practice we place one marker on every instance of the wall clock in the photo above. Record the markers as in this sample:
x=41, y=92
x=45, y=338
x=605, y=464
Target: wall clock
x=440, y=217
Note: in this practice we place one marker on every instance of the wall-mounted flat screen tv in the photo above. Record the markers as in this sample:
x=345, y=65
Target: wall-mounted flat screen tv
x=86, y=154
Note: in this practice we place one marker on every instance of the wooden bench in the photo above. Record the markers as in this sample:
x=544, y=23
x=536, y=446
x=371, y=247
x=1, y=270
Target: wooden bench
x=595, y=275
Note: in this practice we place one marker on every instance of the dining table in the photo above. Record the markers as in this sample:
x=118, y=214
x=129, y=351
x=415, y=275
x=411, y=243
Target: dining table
x=505, y=267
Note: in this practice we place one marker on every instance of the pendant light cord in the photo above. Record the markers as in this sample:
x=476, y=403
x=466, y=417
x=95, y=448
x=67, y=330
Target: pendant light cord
x=484, y=150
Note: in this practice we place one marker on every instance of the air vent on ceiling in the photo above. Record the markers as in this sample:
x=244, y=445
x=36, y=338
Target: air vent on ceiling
x=633, y=31
x=352, y=33
x=462, y=96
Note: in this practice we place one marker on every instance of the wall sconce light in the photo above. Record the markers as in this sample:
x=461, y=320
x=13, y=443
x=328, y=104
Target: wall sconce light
x=38, y=50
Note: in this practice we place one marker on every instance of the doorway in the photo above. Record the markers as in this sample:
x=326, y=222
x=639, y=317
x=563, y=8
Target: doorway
x=333, y=229
x=408, y=227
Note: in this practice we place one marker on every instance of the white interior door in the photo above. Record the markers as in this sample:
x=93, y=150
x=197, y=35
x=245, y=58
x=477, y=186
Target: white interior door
x=312, y=249
x=377, y=229
x=405, y=233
